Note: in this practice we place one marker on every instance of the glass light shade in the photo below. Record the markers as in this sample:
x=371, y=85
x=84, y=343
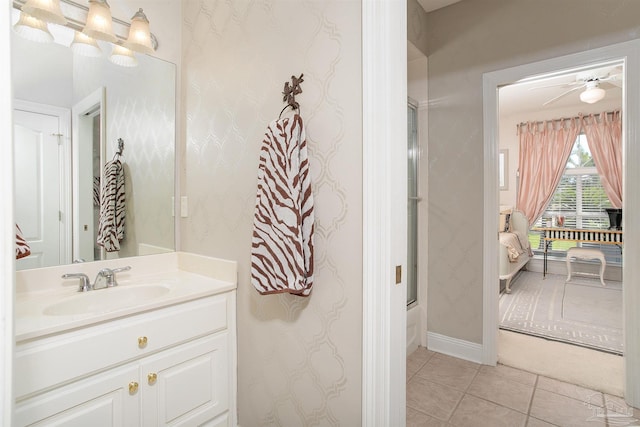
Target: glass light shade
x=592, y=95
x=32, y=29
x=45, y=10
x=84, y=45
x=99, y=23
x=139, y=39
x=123, y=57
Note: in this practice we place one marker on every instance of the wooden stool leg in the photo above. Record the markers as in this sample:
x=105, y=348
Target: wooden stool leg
x=603, y=265
x=568, y=260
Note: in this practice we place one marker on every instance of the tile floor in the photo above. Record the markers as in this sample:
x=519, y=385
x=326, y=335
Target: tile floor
x=444, y=391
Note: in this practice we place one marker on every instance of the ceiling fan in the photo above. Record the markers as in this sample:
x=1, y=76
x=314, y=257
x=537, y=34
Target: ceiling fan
x=594, y=82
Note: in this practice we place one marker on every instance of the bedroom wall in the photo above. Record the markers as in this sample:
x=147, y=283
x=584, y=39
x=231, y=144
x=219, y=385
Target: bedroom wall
x=466, y=40
x=299, y=359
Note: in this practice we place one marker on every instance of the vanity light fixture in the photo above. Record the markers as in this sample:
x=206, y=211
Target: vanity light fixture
x=99, y=22
x=593, y=93
x=139, y=39
x=123, y=56
x=45, y=10
x=32, y=29
x=84, y=45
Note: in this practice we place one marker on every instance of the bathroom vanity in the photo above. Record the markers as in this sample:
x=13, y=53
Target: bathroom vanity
x=157, y=349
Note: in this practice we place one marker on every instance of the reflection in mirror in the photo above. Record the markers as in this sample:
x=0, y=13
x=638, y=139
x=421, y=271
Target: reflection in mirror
x=69, y=112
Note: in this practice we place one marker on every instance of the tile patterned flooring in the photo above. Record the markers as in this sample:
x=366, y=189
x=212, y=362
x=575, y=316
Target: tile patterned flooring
x=443, y=391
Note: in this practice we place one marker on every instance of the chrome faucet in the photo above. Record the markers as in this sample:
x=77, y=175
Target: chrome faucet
x=106, y=278
x=85, y=285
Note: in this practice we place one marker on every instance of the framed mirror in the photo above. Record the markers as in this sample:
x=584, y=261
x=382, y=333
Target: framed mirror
x=70, y=111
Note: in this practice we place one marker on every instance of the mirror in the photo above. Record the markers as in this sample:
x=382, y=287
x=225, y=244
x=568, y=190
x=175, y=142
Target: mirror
x=69, y=113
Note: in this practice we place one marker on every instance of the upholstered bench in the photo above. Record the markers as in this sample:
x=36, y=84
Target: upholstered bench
x=586, y=254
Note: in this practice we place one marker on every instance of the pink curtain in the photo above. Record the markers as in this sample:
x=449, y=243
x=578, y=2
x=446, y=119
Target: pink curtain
x=544, y=150
x=604, y=137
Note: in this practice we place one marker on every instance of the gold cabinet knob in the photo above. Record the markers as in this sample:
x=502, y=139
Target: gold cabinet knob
x=133, y=387
x=152, y=378
x=142, y=342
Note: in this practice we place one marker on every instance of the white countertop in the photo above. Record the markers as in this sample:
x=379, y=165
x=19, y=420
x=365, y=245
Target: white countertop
x=185, y=276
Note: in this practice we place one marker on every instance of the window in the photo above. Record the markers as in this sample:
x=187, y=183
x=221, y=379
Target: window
x=581, y=199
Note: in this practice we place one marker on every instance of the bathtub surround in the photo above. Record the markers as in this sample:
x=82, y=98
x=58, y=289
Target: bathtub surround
x=300, y=359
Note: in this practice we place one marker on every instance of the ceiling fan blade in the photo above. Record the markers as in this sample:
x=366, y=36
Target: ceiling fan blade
x=557, y=85
x=561, y=95
x=614, y=79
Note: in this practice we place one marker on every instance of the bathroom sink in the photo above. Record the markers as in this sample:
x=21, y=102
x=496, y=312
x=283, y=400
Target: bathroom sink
x=105, y=300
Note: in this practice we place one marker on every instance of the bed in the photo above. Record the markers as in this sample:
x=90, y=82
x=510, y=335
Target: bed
x=514, y=250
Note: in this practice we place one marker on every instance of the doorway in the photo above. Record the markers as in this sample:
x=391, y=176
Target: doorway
x=580, y=311
x=88, y=163
x=628, y=54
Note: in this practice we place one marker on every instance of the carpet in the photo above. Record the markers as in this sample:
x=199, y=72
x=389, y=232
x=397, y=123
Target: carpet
x=580, y=312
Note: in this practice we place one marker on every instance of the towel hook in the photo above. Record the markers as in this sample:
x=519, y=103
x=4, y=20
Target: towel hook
x=120, y=147
x=290, y=91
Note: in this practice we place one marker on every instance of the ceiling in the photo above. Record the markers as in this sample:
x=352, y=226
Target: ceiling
x=530, y=95
x=430, y=5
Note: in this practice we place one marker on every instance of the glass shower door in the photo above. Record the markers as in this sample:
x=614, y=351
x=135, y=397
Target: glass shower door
x=412, y=200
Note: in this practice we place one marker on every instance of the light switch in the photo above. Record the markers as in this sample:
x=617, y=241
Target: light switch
x=184, y=207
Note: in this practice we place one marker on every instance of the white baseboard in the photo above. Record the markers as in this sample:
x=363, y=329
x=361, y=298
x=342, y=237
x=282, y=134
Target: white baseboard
x=454, y=347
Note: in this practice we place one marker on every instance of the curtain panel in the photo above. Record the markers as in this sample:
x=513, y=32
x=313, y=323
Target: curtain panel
x=544, y=151
x=604, y=137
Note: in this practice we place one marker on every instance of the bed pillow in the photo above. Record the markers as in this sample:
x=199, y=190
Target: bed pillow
x=504, y=224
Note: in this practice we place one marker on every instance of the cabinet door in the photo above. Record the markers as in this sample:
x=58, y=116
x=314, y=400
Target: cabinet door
x=100, y=400
x=187, y=385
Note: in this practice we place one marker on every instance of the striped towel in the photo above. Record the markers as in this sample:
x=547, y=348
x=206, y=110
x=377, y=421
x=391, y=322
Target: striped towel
x=282, y=244
x=112, y=207
x=22, y=247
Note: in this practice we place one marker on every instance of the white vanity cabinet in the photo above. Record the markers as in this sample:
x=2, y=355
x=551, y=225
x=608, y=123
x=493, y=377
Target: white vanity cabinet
x=169, y=366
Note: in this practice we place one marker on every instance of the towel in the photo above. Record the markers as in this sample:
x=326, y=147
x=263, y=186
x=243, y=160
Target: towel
x=282, y=243
x=22, y=247
x=112, y=207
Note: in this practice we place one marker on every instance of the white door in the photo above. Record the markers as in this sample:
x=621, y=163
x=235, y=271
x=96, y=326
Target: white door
x=38, y=179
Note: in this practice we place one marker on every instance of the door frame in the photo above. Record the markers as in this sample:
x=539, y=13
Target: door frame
x=95, y=101
x=64, y=141
x=384, y=233
x=629, y=53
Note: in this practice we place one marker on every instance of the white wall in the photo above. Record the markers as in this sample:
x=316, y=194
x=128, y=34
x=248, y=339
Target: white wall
x=300, y=359
x=467, y=39
x=7, y=230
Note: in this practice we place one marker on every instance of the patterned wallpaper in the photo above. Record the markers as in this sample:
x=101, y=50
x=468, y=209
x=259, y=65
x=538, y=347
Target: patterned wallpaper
x=299, y=359
x=466, y=40
x=141, y=111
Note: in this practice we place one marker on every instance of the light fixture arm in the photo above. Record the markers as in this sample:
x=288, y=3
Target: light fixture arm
x=76, y=15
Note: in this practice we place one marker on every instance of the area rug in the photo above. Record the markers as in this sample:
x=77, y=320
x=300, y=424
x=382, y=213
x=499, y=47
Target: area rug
x=581, y=312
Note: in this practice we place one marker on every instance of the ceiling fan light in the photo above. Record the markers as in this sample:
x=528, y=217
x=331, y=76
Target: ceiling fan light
x=99, y=23
x=45, y=10
x=84, y=45
x=32, y=29
x=139, y=39
x=123, y=57
x=592, y=95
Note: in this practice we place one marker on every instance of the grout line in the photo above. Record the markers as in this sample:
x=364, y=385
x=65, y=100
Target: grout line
x=535, y=388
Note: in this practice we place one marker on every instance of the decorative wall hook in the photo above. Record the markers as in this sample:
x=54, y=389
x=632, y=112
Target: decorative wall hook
x=290, y=91
x=120, y=147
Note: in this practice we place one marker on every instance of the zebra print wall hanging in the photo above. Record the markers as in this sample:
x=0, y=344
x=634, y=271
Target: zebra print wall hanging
x=283, y=225
x=112, y=204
